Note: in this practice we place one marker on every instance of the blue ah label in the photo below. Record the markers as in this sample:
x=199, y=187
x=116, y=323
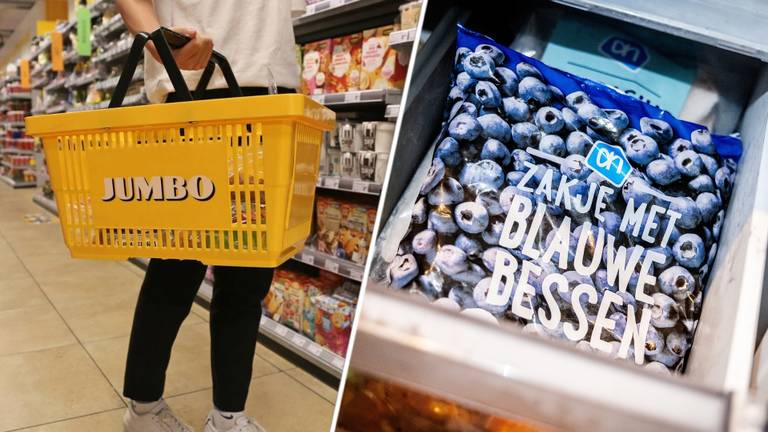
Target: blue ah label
x=629, y=54
x=610, y=162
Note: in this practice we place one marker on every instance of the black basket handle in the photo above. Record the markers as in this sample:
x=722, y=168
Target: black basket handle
x=164, y=39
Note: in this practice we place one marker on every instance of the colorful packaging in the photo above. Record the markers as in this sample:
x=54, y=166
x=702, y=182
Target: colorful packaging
x=353, y=234
x=333, y=323
x=315, y=63
x=345, y=64
x=294, y=292
x=381, y=66
x=583, y=213
x=275, y=299
x=328, y=224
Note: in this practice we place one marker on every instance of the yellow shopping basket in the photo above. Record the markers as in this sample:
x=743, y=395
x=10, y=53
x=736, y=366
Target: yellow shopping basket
x=224, y=181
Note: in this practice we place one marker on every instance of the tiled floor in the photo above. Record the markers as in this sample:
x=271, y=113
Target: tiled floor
x=64, y=327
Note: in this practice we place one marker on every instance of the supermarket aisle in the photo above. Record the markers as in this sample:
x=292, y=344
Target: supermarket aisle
x=64, y=327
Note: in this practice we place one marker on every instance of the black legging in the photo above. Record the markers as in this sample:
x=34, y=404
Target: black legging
x=166, y=297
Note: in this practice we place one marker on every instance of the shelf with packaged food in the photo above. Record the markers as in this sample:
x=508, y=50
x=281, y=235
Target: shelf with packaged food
x=58, y=108
x=46, y=203
x=12, y=150
x=57, y=84
x=110, y=83
x=391, y=112
x=16, y=124
x=40, y=48
x=15, y=167
x=349, y=185
x=346, y=268
x=113, y=54
x=329, y=18
x=15, y=183
x=402, y=40
x=82, y=80
x=116, y=23
x=361, y=97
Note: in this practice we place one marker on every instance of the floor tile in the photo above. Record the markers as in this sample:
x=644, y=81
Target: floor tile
x=277, y=401
x=32, y=329
x=100, y=317
x=314, y=384
x=110, y=421
x=21, y=292
x=276, y=359
x=190, y=367
x=46, y=386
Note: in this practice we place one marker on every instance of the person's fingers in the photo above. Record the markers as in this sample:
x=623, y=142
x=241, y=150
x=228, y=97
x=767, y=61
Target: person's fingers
x=186, y=31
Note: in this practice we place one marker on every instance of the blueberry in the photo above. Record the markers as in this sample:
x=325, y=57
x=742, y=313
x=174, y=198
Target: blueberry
x=465, y=82
x=710, y=164
x=489, y=198
x=402, y=271
x=554, y=235
x=618, y=119
x=577, y=99
x=525, y=134
x=601, y=281
x=488, y=94
x=462, y=297
x=464, y=127
x=627, y=299
x=479, y=294
x=676, y=282
x=689, y=163
x=717, y=226
x=549, y=120
x=479, y=66
x=471, y=217
x=448, y=192
x=678, y=146
x=519, y=158
x=434, y=175
x=541, y=170
x=637, y=189
x=702, y=142
x=557, y=94
x=662, y=171
x=577, y=142
x=690, y=215
x=531, y=89
x=516, y=109
x=709, y=205
x=441, y=220
x=702, y=183
x=508, y=194
x=527, y=70
x=724, y=181
x=462, y=107
x=666, y=252
x=574, y=167
x=448, y=152
x=572, y=120
x=424, y=243
x=496, y=54
x=456, y=94
x=451, y=260
x=471, y=276
x=419, y=212
x=489, y=257
x=627, y=136
x=620, y=324
x=486, y=172
x=611, y=223
x=469, y=245
x=493, y=233
x=508, y=81
x=595, y=136
x=461, y=54
x=515, y=177
x=553, y=145
x=689, y=251
x=590, y=111
x=642, y=150
x=495, y=127
x=657, y=367
x=654, y=341
x=677, y=343
x=447, y=304
x=657, y=129
x=666, y=358
x=574, y=279
x=665, y=312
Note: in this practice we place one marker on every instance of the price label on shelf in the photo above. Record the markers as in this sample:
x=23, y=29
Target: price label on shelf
x=318, y=98
x=299, y=340
x=338, y=362
x=282, y=331
x=332, y=182
x=360, y=186
x=315, y=349
x=332, y=266
x=355, y=274
x=336, y=3
x=309, y=259
x=352, y=97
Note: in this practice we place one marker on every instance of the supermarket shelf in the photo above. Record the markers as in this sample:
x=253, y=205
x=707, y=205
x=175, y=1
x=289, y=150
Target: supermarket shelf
x=41, y=69
x=11, y=150
x=83, y=80
x=331, y=263
x=717, y=23
x=17, y=96
x=116, y=23
x=111, y=83
x=133, y=100
x=349, y=185
x=288, y=338
x=15, y=167
x=40, y=83
x=40, y=48
x=402, y=40
x=16, y=184
x=362, y=97
x=14, y=124
x=46, y=203
x=58, y=108
x=329, y=18
x=113, y=54
x=71, y=56
x=503, y=365
x=391, y=112
x=56, y=84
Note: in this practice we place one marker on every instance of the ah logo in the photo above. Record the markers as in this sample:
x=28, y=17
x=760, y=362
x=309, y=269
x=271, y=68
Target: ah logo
x=610, y=162
x=629, y=54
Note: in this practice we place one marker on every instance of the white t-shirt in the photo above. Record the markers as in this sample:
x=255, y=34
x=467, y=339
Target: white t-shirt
x=256, y=36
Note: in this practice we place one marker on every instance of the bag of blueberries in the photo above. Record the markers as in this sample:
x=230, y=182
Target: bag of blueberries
x=580, y=212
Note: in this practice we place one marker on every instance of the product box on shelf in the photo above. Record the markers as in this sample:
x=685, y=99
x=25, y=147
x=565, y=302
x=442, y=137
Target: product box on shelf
x=382, y=66
x=353, y=232
x=328, y=224
x=315, y=66
x=333, y=322
x=345, y=64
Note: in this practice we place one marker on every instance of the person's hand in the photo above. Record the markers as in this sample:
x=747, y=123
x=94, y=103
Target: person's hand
x=192, y=56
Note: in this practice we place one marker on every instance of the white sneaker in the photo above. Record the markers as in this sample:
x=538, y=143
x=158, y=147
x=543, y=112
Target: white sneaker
x=242, y=424
x=160, y=419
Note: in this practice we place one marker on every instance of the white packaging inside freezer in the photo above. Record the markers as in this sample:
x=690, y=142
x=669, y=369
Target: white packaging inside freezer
x=620, y=268
x=382, y=159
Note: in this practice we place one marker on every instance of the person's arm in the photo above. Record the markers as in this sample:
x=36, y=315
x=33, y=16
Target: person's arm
x=140, y=16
